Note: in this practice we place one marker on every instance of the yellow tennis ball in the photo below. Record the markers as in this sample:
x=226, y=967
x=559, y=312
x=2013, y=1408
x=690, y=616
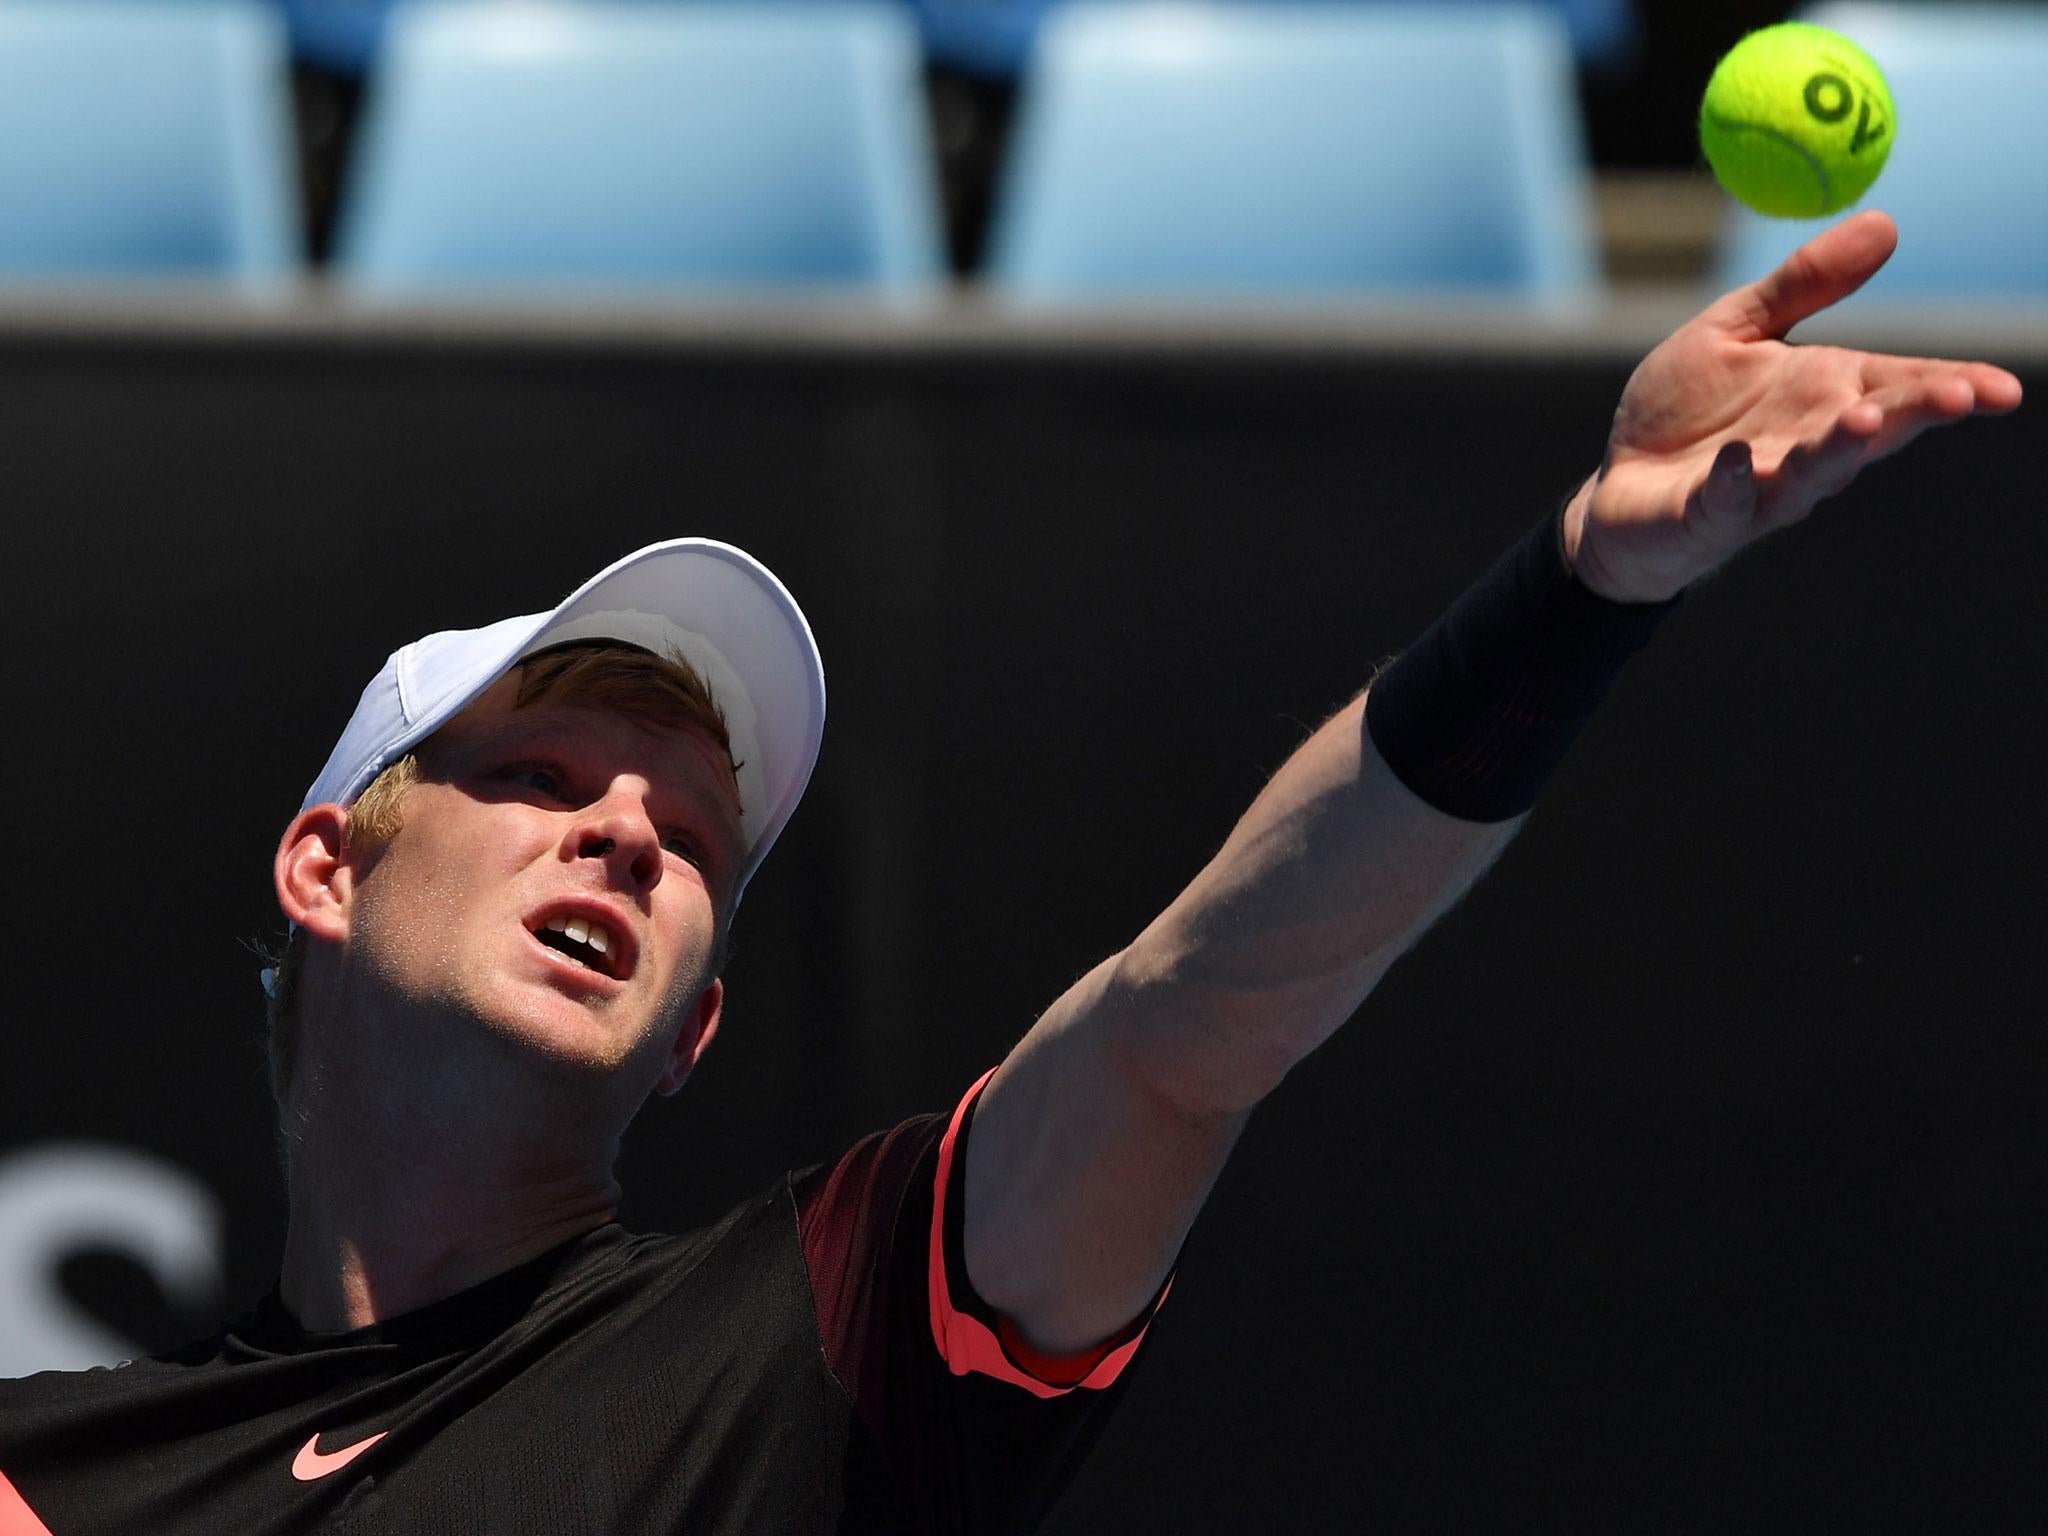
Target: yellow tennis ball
x=1797, y=121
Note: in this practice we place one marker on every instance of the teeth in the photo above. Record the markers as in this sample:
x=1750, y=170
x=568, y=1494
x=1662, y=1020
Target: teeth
x=582, y=931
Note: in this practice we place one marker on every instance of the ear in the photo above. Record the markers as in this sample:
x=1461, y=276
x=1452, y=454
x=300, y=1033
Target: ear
x=313, y=880
x=695, y=1037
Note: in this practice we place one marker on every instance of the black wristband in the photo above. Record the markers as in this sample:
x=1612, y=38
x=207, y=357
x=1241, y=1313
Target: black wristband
x=1478, y=712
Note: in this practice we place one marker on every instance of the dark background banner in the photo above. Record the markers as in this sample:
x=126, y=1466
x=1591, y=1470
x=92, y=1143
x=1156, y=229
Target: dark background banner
x=1687, y=1177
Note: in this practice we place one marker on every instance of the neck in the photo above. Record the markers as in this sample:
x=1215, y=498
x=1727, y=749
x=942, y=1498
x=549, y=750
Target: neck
x=408, y=1187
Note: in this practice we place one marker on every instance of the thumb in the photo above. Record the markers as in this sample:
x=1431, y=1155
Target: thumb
x=1727, y=498
x=1825, y=270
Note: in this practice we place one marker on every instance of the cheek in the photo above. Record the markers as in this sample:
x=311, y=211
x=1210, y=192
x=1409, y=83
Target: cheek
x=421, y=894
x=688, y=932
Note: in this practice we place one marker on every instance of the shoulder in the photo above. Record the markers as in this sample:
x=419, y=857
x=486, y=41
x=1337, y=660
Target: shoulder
x=876, y=1175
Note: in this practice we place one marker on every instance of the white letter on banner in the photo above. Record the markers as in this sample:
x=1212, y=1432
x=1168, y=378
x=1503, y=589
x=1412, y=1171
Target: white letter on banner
x=60, y=1198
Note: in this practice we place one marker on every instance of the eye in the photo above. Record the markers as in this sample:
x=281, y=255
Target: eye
x=682, y=845
x=535, y=776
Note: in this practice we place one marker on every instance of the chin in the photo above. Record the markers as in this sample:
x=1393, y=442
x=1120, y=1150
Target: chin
x=546, y=1028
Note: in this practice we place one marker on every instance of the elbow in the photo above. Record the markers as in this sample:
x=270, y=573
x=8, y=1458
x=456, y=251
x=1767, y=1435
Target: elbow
x=1203, y=1049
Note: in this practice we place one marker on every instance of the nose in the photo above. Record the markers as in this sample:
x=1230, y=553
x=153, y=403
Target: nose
x=617, y=831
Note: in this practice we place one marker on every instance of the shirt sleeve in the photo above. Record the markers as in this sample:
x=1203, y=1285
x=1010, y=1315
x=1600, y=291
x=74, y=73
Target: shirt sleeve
x=969, y=1334
x=964, y=1422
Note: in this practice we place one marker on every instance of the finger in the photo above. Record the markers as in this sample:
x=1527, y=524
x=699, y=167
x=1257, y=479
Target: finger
x=1726, y=501
x=1993, y=390
x=1872, y=428
x=1815, y=470
x=1997, y=391
x=1907, y=412
x=1825, y=270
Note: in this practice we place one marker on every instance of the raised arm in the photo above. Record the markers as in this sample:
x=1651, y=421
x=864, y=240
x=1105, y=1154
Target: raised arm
x=1096, y=1142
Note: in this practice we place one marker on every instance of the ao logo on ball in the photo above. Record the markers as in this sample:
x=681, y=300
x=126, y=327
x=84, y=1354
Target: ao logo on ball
x=1797, y=121
x=1830, y=98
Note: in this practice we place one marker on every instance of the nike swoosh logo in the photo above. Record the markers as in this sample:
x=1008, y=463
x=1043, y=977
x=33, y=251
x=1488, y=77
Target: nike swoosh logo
x=310, y=1463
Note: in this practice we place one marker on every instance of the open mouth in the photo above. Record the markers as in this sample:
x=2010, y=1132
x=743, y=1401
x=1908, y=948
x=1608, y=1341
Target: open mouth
x=588, y=943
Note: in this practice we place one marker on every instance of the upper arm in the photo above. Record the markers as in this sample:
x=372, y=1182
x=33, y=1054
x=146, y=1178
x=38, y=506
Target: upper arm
x=1082, y=1180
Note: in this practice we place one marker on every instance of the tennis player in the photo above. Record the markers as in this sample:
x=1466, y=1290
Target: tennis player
x=510, y=891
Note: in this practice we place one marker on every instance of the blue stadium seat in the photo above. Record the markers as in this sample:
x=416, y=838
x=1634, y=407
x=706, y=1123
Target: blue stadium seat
x=144, y=139
x=994, y=37
x=1966, y=81
x=344, y=36
x=698, y=145
x=1306, y=151
x=1605, y=33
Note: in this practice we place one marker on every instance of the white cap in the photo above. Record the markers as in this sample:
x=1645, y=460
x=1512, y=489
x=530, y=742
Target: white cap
x=718, y=606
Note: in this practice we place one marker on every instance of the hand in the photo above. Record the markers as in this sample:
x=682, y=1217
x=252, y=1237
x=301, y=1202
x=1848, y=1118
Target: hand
x=1726, y=432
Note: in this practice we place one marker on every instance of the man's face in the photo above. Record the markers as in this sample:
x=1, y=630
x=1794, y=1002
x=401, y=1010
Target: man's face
x=556, y=879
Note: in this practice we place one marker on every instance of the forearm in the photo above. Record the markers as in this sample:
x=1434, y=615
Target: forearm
x=1381, y=821
x=1335, y=870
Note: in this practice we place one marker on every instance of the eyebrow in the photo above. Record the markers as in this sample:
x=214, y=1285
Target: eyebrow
x=467, y=747
x=486, y=740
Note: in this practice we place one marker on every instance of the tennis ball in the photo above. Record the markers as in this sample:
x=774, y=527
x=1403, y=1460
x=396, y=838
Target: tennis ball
x=1797, y=121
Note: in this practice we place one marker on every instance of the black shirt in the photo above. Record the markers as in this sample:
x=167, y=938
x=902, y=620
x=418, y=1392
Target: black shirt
x=815, y=1362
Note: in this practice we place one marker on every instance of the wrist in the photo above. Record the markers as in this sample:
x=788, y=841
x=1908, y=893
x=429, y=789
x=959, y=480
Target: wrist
x=1580, y=542
x=1581, y=557
x=1477, y=713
